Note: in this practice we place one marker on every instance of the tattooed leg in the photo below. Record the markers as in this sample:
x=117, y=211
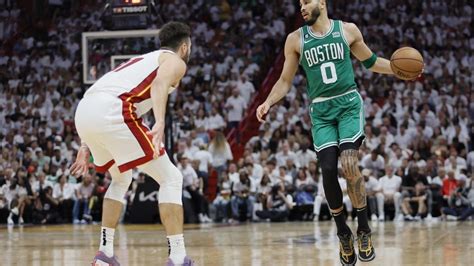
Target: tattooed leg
x=355, y=182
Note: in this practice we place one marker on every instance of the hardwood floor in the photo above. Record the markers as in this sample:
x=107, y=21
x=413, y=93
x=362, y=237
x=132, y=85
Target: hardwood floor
x=296, y=243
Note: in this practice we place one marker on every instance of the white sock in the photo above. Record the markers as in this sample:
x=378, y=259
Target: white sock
x=107, y=241
x=177, y=251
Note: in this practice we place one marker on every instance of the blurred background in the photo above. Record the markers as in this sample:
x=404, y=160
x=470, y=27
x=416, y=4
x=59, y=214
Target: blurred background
x=418, y=134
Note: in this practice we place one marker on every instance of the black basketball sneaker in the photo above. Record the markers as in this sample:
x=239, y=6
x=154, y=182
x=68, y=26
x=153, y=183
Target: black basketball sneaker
x=366, y=249
x=347, y=254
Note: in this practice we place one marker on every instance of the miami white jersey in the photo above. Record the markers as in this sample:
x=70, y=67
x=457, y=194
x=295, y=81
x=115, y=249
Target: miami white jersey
x=131, y=81
x=108, y=118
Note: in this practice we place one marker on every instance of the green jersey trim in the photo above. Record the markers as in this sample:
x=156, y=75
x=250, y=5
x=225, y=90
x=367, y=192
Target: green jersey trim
x=342, y=33
x=301, y=44
x=323, y=36
x=325, y=145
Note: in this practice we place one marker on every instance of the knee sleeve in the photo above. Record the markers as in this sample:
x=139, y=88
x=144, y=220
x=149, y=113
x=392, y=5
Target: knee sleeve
x=119, y=185
x=168, y=176
x=328, y=161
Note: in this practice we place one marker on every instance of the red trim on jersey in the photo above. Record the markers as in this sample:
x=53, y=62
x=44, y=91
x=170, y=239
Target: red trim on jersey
x=126, y=64
x=104, y=168
x=135, y=124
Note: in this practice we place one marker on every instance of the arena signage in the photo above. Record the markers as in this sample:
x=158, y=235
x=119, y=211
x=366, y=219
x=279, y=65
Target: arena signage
x=129, y=10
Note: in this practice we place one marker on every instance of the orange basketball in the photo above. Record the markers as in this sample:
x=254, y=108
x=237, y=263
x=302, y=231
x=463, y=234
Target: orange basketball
x=407, y=63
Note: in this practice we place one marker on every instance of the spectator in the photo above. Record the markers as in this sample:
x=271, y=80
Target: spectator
x=242, y=200
x=279, y=205
x=17, y=196
x=449, y=185
x=191, y=104
x=194, y=186
x=4, y=211
x=63, y=192
x=468, y=192
x=305, y=155
x=416, y=200
x=201, y=119
x=233, y=174
x=285, y=154
x=264, y=188
x=283, y=177
x=41, y=183
x=246, y=88
x=390, y=185
x=215, y=120
x=415, y=184
x=373, y=162
x=204, y=159
x=221, y=153
x=83, y=195
x=306, y=189
x=459, y=206
x=256, y=172
x=222, y=202
x=46, y=208
x=303, y=180
x=235, y=106
x=374, y=195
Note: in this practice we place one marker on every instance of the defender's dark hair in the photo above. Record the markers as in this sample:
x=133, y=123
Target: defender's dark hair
x=172, y=34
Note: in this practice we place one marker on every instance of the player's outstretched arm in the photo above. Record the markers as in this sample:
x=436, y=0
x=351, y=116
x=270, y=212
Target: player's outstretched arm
x=283, y=85
x=363, y=53
x=170, y=72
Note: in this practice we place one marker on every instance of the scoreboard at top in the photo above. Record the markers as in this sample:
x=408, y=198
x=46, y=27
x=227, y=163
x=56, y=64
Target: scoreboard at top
x=130, y=7
x=128, y=14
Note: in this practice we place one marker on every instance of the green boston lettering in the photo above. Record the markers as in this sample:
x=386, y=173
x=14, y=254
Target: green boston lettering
x=327, y=62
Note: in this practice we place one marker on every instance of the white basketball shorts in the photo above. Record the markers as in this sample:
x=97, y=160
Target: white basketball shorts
x=113, y=132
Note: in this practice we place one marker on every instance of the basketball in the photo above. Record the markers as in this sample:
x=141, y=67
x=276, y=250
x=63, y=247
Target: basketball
x=407, y=63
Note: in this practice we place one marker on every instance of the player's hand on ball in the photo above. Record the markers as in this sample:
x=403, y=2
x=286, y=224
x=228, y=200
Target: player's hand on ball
x=81, y=165
x=262, y=110
x=158, y=132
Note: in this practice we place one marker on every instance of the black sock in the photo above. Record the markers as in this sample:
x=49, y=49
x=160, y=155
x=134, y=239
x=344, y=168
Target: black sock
x=363, y=220
x=340, y=219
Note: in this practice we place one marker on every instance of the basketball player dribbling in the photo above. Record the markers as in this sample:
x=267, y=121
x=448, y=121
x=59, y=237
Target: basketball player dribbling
x=323, y=47
x=109, y=124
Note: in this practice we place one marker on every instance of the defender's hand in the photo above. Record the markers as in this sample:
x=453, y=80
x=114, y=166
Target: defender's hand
x=81, y=165
x=262, y=110
x=158, y=134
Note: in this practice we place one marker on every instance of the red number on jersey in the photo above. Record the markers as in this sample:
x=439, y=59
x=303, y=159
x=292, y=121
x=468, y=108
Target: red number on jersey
x=128, y=63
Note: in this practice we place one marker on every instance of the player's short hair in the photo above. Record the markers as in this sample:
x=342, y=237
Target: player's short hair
x=172, y=34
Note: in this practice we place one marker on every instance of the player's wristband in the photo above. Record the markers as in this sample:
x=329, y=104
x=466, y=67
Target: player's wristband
x=370, y=62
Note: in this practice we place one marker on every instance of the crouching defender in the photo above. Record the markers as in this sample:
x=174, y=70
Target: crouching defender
x=109, y=124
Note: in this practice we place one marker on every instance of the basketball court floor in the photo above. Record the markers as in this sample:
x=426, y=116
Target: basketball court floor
x=295, y=243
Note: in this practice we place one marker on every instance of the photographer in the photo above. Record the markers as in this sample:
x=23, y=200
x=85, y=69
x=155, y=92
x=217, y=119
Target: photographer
x=279, y=205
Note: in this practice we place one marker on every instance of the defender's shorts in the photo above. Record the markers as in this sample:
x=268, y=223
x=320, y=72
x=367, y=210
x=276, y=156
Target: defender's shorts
x=337, y=120
x=113, y=132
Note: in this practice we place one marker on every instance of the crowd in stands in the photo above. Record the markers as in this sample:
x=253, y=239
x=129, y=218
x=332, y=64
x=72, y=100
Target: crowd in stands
x=417, y=158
